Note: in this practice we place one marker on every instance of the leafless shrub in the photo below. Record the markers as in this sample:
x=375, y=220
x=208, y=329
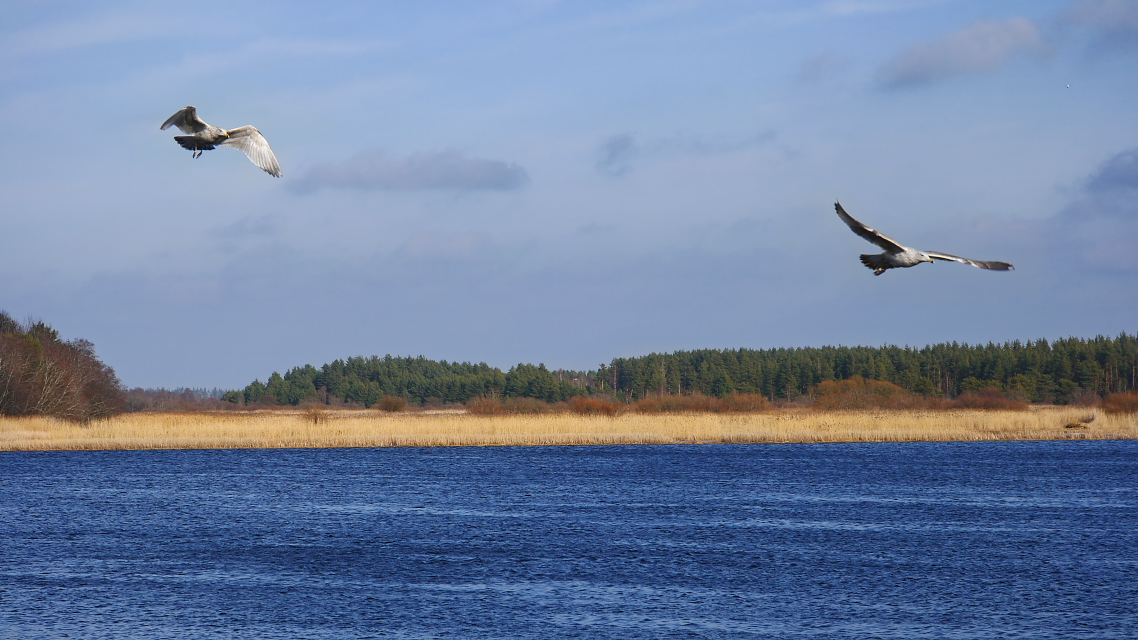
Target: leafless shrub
x=528, y=406
x=1116, y=403
x=672, y=403
x=392, y=404
x=512, y=406
x=743, y=403
x=857, y=392
x=1082, y=397
x=40, y=374
x=989, y=398
x=316, y=414
x=485, y=407
x=592, y=407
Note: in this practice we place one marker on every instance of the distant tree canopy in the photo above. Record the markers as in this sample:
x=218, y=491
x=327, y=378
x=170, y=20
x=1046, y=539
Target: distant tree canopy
x=1062, y=371
x=366, y=381
x=1039, y=371
x=40, y=374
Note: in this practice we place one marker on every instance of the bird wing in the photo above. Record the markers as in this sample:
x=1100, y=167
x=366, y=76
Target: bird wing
x=873, y=236
x=249, y=140
x=983, y=264
x=187, y=120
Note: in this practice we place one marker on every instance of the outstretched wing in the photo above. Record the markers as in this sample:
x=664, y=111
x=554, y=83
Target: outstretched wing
x=873, y=236
x=249, y=140
x=983, y=264
x=187, y=120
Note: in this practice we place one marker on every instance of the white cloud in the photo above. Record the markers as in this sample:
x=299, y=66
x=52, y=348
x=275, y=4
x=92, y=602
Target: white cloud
x=982, y=46
x=102, y=30
x=858, y=7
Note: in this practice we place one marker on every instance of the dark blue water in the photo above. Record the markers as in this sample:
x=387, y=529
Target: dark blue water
x=945, y=540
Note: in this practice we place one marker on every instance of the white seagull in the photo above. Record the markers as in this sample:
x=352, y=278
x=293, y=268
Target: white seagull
x=206, y=136
x=898, y=255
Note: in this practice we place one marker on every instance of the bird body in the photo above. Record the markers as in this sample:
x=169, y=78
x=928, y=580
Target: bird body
x=893, y=259
x=898, y=255
x=205, y=136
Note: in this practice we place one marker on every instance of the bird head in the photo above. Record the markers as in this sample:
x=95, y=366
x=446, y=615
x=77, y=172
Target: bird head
x=924, y=257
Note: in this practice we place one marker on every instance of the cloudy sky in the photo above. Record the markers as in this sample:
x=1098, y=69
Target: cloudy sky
x=563, y=182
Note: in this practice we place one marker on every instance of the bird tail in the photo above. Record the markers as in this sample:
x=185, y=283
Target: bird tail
x=193, y=143
x=874, y=261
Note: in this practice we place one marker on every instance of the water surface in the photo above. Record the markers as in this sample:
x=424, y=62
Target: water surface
x=917, y=540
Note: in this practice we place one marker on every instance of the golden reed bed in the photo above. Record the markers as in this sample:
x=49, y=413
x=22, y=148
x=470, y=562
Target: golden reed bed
x=292, y=429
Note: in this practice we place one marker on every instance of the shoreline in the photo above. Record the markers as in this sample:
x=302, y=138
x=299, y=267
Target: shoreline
x=286, y=429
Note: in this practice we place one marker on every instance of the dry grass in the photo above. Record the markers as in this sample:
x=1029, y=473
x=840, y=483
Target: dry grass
x=290, y=429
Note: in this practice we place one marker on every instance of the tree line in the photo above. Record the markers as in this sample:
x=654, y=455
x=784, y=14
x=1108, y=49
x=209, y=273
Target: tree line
x=366, y=381
x=1064, y=371
x=1059, y=372
x=42, y=374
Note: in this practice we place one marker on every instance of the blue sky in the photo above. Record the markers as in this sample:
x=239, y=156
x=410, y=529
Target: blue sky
x=563, y=182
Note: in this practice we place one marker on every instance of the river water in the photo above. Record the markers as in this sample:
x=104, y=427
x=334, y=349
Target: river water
x=916, y=540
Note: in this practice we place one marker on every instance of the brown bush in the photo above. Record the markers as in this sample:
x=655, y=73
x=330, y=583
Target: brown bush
x=391, y=404
x=743, y=403
x=592, y=407
x=735, y=402
x=1126, y=402
x=511, y=406
x=989, y=398
x=695, y=403
x=316, y=414
x=485, y=407
x=857, y=392
x=528, y=406
x=648, y=405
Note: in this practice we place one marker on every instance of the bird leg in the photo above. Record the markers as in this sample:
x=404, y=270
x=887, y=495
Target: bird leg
x=878, y=271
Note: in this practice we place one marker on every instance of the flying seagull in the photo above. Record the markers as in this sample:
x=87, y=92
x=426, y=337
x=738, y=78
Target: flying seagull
x=898, y=255
x=206, y=136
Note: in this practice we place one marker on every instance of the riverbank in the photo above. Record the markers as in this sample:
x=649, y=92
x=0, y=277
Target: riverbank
x=300, y=429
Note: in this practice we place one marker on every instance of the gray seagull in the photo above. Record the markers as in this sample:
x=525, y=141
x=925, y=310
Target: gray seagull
x=898, y=255
x=206, y=136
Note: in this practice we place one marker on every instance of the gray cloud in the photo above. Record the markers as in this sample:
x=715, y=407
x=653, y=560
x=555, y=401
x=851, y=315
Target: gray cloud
x=248, y=227
x=1119, y=172
x=444, y=170
x=1100, y=227
x=431, y=245
x=823, y=67
x=1111, y=22
x=705, y=145
x=616, y=152
x=982, y=46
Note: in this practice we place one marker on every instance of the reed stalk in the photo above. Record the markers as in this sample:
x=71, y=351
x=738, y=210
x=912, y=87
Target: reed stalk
x=299, y=429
